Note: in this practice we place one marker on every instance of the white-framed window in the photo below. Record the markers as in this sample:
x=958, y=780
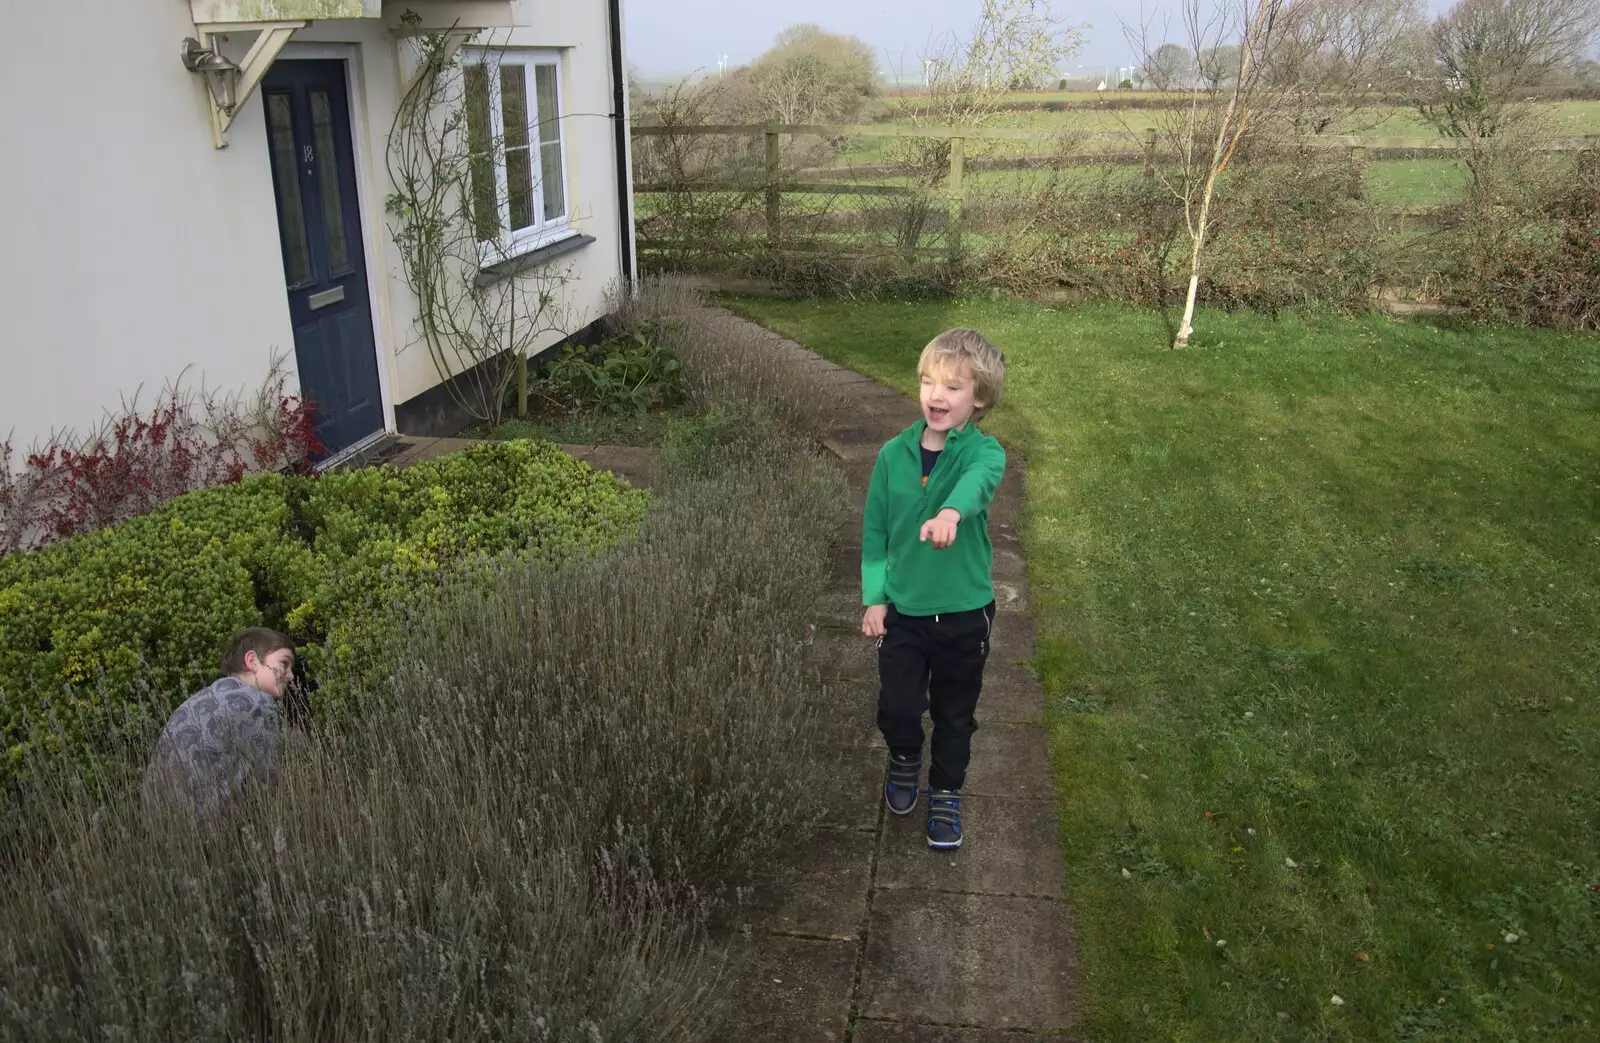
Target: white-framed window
x=519, y=162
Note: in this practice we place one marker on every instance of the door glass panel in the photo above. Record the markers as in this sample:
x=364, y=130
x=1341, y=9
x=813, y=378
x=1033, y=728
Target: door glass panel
x=519, y=156
x=555, y=195
x=327, y=161
x=480, y=155
x=291, y=211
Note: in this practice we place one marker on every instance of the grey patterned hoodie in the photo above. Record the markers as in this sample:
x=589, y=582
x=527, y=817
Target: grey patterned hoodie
x=220, y=738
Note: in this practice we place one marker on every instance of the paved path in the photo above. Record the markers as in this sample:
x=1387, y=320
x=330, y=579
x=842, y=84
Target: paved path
x=878, y=938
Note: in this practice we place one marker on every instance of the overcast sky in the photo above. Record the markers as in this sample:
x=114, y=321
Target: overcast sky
x=681, y=36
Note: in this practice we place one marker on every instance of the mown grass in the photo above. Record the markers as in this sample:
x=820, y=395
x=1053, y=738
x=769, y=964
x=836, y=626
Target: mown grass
x=1318, y=603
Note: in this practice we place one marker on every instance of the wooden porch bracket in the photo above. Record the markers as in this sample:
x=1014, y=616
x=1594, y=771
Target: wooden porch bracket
x=269, y=43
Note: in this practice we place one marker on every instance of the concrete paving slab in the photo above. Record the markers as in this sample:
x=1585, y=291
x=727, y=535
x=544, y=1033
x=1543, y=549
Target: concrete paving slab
x=850, y=789
x=780, y=988
x=844, y=655
x=899, y=1032
x=634, y=464
x=1008, y=563
x=417, y=450
x=973, y=947
x=1009, y=760
x=826, y=894
x=839, y=606
x=1011, y=596
x=982, y=961
x=845, y=558
x=1010, y=848
x=848, y=714
x=1010, y=695
x=1016, y=639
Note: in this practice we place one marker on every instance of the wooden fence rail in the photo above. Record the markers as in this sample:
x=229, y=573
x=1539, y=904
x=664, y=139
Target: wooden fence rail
x=1116, y=145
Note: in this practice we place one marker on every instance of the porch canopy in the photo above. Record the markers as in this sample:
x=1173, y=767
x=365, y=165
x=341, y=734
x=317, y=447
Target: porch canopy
x=274, y=22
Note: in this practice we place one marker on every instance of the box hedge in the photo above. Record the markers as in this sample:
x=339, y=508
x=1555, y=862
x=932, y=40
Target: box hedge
x=134, y=617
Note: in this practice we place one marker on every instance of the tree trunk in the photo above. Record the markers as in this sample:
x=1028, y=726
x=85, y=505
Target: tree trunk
x=1186, y=327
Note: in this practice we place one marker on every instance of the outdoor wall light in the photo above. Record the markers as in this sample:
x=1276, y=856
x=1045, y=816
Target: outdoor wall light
x=222, y=75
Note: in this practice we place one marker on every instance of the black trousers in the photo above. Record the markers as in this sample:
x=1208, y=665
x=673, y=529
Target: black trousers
x=933, y=665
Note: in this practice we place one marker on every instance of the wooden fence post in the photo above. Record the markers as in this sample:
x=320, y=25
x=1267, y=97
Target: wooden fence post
x=1358, y=172
x=1149, y=156
x=1589, y=159
x=522, y=384
x=957, y=193
x=774, y=190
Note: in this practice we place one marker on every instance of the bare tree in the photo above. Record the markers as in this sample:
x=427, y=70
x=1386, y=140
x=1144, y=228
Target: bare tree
x=1208, y=126
x=808, y=76
x=1488, y=56
x=1171, y=66
x=1015, y=43
x=1216, y=65
x=1338, y=60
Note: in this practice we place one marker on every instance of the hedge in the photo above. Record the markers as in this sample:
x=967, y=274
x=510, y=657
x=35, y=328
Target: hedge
x=134, y=617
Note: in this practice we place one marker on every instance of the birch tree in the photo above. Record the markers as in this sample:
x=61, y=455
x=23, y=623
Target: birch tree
x=1216, y=115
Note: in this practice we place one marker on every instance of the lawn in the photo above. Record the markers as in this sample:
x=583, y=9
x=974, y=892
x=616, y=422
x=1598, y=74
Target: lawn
x=1318, y=605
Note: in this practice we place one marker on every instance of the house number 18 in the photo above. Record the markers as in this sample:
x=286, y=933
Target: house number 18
x=310, y=155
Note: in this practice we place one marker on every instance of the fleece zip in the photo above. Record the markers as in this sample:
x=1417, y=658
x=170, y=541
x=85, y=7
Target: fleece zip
x=897, y=568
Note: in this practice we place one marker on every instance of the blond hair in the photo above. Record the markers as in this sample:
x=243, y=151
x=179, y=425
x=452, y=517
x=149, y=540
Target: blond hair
x=951, y=348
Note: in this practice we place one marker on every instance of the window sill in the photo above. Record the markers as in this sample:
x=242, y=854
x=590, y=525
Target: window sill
x=513, y=266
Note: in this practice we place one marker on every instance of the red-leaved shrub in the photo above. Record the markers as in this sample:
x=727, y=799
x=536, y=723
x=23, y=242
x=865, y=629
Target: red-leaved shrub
x=137, y=459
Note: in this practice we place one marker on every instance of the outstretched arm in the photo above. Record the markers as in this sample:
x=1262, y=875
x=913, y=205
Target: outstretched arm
x=976, y=487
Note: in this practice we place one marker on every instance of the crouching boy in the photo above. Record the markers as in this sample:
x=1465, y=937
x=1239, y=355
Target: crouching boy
x=227, y=735
x=925, y=575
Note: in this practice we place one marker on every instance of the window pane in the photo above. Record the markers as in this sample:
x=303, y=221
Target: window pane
x=519, y=160
x=480, y=150
x=291, y=212
x=555, y=191
x=327, y=160
x=519, y=186
x=544, y=83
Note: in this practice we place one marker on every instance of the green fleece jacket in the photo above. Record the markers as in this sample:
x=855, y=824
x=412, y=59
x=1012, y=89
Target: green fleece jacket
x=896, y=566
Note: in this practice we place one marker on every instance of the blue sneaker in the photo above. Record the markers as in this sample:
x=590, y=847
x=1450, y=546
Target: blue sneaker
x=944, y=819
x=900, y=788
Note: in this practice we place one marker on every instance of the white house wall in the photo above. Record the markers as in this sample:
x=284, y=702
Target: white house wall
x=130, y=249
x=133, y=250
x=579, y=29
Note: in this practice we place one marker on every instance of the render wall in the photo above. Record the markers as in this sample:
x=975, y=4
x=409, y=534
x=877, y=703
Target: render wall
x=132, y=251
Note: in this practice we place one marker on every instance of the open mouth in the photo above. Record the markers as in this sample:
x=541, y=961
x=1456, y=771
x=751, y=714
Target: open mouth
x=937, y=414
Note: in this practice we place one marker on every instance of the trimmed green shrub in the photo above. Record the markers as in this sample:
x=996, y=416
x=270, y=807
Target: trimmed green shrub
x=155, y=598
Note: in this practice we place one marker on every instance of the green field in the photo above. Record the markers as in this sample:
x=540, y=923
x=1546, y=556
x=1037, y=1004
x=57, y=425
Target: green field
x=1397, y=181
x=1411, y=182
x=1089, y=111
x=1318, y=604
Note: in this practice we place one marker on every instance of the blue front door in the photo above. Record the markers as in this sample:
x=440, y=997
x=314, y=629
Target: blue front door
x=324, y=266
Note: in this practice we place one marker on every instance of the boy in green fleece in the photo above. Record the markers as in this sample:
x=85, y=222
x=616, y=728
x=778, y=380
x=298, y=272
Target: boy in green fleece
x=925, y=562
